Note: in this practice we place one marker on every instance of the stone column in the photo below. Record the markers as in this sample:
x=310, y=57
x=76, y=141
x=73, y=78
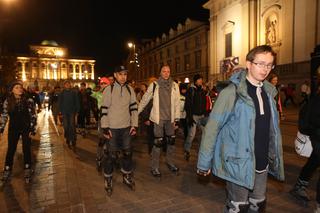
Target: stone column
x=74, y=71
x=214, y=66
x=80, y=71
x=92, y=71
x=252, y=23
x=23, y=74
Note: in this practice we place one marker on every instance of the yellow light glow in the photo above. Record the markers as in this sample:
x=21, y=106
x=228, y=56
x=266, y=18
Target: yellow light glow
x=130, y=44
x=59, y=53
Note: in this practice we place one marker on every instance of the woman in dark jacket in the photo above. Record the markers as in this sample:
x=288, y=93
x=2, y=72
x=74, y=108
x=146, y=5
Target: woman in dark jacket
x=23, y=119
x=313, y=163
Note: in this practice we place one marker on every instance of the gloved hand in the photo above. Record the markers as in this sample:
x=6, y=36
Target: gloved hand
x=190, y=121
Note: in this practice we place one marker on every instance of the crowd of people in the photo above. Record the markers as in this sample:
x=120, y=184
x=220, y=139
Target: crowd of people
x=241, y=138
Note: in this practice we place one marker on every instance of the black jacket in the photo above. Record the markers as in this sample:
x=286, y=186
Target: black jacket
x=195, y=101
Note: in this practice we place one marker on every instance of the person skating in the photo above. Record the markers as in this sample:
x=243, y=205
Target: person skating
x=119, y=120
x=23, y=119
x=165, y=114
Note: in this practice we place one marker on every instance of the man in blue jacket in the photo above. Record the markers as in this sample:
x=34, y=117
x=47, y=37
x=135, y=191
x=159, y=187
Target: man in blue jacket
x=242, y=141
x=69, y=106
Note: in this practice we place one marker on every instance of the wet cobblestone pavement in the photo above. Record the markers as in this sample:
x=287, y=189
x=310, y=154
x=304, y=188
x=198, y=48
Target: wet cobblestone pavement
x=65, y=181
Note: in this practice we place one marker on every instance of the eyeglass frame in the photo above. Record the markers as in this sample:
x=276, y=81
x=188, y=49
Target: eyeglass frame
x=263, y=66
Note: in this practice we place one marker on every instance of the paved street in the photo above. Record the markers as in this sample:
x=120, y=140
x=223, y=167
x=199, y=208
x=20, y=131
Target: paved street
x=68, y=182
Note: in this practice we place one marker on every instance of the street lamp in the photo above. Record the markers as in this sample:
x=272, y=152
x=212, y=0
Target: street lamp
x=134, y=60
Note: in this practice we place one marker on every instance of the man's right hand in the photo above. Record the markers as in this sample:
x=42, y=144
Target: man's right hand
x=107, y=133
x=203, y=173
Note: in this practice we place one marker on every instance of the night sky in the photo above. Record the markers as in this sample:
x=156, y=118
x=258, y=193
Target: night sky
x=96, y=28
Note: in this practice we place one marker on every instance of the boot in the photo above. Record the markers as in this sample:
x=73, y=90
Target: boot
x=299, y=191
x=128, y=180
x=6, y=174
x=156, y=173
x=27, y=173
x=173, y=168
x=108, y=185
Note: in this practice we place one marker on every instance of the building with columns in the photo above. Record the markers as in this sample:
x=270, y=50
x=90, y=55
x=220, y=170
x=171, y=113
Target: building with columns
x=291, y=27
x=50, y=63
x=185, y=49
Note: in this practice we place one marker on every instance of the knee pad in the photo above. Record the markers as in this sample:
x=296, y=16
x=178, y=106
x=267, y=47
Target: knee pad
x=127, y=153
x=171, y=140
x=158, y=142
x=111, y=156
x=257, y=205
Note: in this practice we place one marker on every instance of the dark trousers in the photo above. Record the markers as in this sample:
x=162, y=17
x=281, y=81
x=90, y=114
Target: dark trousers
x=150, y=136
x=184, y=127
x=83, y=118
x=69, y=127
x=120, y=141
x=312, y=165
x=13, y=138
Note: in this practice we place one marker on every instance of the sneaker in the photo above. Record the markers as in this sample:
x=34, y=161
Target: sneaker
x=155, y=172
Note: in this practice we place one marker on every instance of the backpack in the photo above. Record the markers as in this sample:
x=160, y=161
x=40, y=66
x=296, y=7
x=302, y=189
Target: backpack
x=145, y=113
x=304, y=125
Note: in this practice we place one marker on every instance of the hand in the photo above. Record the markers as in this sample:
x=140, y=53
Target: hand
x=31, y=134
x=190, y=122
x=203, y=173
x=107, y=133
x=147, y=123
x=176, y=125
x=133, y=131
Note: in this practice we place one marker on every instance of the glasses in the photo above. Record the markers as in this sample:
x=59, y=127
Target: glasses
x=263, y=66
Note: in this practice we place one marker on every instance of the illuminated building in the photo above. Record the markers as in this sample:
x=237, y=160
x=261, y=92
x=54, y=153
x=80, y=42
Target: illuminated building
x=291, y=27
x=185, y=49
x=50, y=63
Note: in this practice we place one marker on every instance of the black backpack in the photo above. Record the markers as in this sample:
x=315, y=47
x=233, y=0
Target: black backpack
x=304, y=125
x=145, y=113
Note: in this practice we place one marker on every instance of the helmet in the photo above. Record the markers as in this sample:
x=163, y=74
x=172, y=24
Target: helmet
x=104, y=80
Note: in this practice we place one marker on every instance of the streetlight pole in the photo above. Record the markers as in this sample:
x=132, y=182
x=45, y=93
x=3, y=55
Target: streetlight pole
x=134, y=59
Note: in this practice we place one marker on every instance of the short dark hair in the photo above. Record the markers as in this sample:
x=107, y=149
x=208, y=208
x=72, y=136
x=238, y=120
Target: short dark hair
x=260, y=49
x=83, y=84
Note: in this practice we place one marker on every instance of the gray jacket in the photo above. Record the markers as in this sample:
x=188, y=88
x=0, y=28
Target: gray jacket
x=119, y=107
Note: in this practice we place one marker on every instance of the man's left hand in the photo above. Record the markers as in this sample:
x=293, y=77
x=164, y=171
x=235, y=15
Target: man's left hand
x=133, y=131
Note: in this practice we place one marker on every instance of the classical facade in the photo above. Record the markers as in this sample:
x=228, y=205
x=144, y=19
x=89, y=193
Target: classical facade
x=185, y=49
x=291, y=27
x=50, y=63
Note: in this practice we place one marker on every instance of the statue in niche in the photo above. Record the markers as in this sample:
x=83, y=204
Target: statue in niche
x=271, y=31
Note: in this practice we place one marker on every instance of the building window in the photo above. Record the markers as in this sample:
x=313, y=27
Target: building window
x=186, y=45
x=197, y=41
x=155, y=58
x=187, y=62
x=160, y=54
x=155, y=70
x=168, y=53
x=177, y=63
x=228, y=45
x=177, y=49
x=197, y=56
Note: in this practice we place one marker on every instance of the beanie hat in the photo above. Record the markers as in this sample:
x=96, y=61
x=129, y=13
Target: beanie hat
x=196, y=77
x=13, y=83
x=104, y=80
x=183, y=86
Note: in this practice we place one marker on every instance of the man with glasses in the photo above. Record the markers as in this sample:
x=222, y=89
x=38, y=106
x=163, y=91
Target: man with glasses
x=242, y=142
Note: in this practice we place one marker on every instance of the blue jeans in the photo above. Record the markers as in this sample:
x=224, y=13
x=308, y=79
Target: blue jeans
x=239, y=195
x=120, y=141
x=192, y=131
x=69, y=127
